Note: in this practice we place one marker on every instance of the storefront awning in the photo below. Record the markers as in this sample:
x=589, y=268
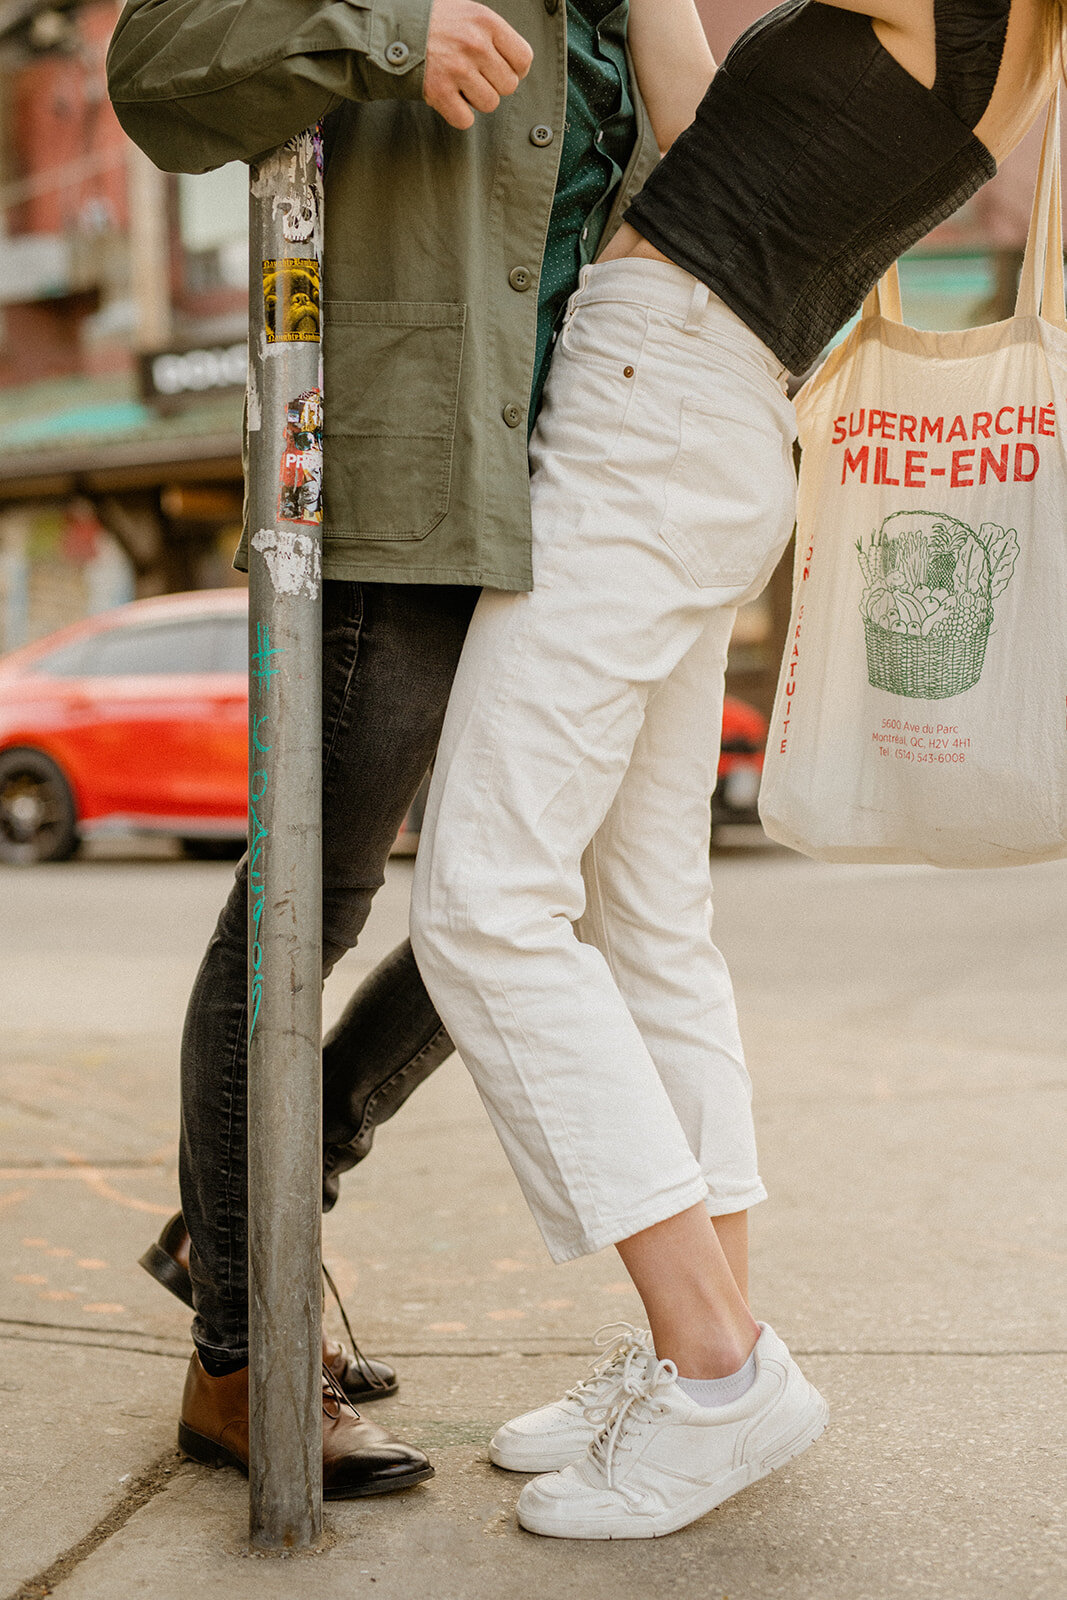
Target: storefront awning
x=91, y=436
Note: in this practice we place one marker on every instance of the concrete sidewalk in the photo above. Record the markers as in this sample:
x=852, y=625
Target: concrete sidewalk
x=906, y=1031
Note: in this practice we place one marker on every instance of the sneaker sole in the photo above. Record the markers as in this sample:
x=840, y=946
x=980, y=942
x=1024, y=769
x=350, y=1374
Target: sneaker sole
x=806, y=1433
x=516, y=1461
x=209, y=1453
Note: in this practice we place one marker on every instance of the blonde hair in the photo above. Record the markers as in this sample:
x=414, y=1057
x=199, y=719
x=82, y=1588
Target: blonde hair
x=1056, y=34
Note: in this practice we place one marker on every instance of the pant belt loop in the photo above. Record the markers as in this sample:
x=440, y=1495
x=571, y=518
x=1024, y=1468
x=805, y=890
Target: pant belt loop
x=698, y=305
x=583, y=279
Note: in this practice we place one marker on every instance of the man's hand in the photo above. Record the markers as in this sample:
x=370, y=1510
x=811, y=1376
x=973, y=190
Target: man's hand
x=473, y=57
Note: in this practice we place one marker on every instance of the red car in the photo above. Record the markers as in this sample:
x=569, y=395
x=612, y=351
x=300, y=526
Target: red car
x=744, y=739
x=134, y=719
x=137, y=719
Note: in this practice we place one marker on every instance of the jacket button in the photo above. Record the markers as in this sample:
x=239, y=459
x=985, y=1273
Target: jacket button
x=552, y=6
x=541, y=134
x=397, y=53
x=520, y=278
x=512, y=415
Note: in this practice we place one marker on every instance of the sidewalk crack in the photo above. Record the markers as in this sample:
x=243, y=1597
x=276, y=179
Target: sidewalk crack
x=143, y=1489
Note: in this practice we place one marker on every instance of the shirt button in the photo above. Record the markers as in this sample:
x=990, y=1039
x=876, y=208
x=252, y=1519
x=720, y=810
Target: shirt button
x=512, y=415
x=520, y=278
x=541, y=134
x=397, y=53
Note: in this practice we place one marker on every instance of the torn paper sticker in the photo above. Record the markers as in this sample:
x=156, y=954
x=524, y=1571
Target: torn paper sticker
x=300, y=494
x=294, y=560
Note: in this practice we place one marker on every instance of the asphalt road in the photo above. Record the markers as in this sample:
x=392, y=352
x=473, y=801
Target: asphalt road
x=906, y=1033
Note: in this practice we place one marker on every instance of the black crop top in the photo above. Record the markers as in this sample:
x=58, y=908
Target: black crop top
x=815, y=159
x=970, y=44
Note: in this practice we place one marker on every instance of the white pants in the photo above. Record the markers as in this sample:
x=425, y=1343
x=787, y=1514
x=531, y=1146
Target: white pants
x=561, y=907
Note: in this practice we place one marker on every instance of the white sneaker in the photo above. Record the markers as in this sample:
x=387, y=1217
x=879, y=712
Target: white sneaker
x=660, y=1460
x=555, y=1435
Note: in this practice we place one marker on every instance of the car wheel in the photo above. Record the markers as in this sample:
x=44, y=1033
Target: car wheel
x=38, y=821
x=198, y=849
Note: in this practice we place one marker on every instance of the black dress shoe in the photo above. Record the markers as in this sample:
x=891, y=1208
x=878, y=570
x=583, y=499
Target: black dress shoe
x=168, y=1259
x=361, y=1378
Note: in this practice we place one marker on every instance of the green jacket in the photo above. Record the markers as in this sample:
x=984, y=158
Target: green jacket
x=429, y=330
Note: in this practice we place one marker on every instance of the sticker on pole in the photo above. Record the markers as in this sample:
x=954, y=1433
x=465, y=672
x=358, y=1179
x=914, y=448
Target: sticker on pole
x=291, y=300
x=299, y=214
x=294, y=560
x=300, y=495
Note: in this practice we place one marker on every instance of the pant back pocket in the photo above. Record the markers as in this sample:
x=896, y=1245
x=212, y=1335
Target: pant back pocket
x=730, y=495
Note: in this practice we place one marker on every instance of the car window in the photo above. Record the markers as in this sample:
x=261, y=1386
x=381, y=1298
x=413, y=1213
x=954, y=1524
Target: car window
x=151, y=650
x=66, y=662
x=231, y=643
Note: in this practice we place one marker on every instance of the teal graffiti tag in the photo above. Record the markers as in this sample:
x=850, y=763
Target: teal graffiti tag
x=262, y=657
x=257, y=838
x=257, y=722
x=263, y=671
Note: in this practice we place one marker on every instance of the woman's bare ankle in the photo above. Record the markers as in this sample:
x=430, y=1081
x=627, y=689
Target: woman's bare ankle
x=707, y=1350
x=696, y=1311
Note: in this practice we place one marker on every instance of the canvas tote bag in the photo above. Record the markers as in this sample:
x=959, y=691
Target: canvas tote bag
x=921, y=711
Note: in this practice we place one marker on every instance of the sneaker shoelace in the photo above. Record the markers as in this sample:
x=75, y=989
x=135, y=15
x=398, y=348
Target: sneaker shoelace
x=632, y=1401
x=619, y=1341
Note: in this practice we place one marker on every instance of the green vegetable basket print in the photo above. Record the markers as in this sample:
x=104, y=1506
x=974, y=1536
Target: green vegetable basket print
x=928, y=602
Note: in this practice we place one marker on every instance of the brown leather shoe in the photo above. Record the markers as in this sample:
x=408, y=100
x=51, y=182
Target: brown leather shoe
x=358, y=1458
x=363, y=1378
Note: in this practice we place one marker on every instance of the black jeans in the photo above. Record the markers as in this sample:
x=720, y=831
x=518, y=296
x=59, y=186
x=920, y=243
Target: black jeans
x=389, y=655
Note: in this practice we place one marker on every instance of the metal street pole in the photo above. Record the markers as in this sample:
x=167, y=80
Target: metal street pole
x=284, y=841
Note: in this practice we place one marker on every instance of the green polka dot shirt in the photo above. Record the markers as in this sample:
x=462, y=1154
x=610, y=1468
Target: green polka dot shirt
x=599, y=133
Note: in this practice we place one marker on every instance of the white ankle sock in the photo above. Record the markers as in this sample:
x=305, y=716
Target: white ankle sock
x=720, y=1391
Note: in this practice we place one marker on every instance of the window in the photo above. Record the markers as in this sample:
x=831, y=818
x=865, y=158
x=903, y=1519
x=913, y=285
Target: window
x=66, y=662
x=231, y=644
x=213, y=216
x=152, y=650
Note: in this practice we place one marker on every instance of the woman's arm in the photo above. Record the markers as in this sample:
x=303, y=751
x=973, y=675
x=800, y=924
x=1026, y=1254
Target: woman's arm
x=673, y=62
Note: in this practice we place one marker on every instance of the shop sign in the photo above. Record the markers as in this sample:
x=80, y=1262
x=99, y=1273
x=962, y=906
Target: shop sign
x=172, y=376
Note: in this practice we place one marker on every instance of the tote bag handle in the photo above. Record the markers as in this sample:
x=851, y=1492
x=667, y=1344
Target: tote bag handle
x=884, y=298
x=1041, y=280
x=1041, y=285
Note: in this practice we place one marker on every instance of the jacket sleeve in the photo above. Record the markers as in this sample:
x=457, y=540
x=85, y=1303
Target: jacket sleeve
x=197, y=83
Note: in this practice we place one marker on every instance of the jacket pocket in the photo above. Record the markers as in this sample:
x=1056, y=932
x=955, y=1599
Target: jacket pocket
x=730, y=496
x=391, y=381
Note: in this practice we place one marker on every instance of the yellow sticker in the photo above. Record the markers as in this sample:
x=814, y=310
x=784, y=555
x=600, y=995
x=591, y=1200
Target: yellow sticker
x=291, y=299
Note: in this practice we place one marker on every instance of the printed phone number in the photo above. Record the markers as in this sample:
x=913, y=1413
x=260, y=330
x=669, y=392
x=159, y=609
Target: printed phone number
x=929, y=742
x=930, y=756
